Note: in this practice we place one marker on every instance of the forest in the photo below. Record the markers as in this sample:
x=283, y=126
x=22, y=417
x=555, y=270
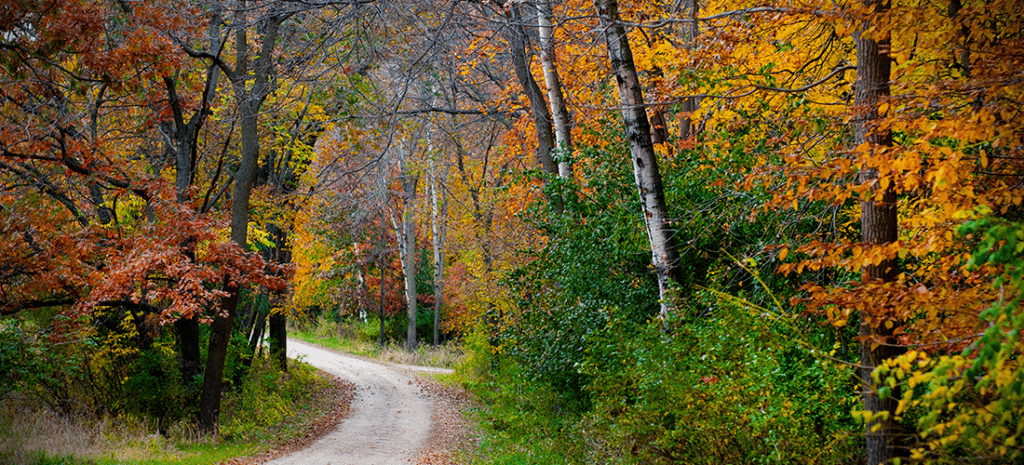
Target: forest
x=658, y=232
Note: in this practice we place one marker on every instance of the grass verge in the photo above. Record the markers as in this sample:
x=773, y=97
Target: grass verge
x=344, y=338
x=271, y=410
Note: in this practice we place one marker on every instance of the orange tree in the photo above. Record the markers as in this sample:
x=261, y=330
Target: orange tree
x=101, y=237
x=935, y=142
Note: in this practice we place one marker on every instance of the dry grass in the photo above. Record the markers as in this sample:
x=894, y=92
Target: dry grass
x=28, y=428
x=444, y=356
x=352, y=338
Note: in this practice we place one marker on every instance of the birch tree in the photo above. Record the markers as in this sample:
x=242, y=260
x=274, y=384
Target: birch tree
x=664, y=252
x=407, y=243
x=438, y=213
x=518, y=40
x=556, y=100
x=439, y=229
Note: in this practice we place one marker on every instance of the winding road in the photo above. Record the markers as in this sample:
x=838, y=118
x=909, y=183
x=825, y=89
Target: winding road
x=389, y=420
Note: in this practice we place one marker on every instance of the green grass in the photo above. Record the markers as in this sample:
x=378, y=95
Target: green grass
x=41, y=458
x=341, y=344
x=189, y=454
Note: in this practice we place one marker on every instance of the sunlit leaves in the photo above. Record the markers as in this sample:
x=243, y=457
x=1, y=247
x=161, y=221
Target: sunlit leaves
x=969, y=404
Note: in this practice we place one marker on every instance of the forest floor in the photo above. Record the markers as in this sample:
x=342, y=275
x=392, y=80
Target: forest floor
x=396, y=416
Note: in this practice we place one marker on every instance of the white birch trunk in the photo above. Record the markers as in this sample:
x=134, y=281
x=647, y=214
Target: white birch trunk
x=556, y=100
x=408, y=239
x=438, y=226
x=664, y=255
x=521, y=66
x=438, y=218
x=363, y=287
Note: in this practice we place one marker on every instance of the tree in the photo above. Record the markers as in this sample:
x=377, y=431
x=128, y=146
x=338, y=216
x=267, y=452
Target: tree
x=250, y=99
x=879, y=227
x=438, y=214
x=920, y=167
x=559, y=112
x=664, y=252
x=407, y=245
x=439, y=227
x=517, y=34
x=109, y=65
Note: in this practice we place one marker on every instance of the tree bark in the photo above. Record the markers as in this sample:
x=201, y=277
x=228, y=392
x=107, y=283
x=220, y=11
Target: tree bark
x=664, y=251
x=690, y=104
x=439, y=215
x=879, y=225
x=190, y=361
x=216, y=358
x=181, y=145
x=282, y=254
x=258, y=325
x=409, y=182
x=559, y=112
x=380, y=266
x=538, y=107
x=279, y=338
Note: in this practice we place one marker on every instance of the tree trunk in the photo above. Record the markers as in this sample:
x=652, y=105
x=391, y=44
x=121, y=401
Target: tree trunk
x=690, y=104
x=259, y=325
x=539, y=108
x=380, y=264
x=878, y=226
x=250, y=100
x=190, y=358
x=216, y=358
x=559, y=113
x=220, y=331
x=664, y=252
x=409, y=182
x=439, y=214
x=279, y=338
x=282, y=254
x=182, y=147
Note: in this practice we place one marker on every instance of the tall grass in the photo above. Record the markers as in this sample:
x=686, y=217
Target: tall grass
x=269, y=408
x=31, y=434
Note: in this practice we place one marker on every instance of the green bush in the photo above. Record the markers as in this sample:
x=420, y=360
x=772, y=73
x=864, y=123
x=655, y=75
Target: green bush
x=13, y=369
x=396, y=328
x=265, y=400
x=155, y=388
x=526, y=422
x=730, y=388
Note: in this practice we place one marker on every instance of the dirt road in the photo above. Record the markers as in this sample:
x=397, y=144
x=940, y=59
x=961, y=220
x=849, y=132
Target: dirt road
x=389, y=421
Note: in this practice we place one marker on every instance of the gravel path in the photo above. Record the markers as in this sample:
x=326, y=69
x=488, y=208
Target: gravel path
x=389, y=420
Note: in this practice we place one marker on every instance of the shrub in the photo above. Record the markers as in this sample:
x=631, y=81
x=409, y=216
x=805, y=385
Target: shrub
x=730, y=388
x=266, y=399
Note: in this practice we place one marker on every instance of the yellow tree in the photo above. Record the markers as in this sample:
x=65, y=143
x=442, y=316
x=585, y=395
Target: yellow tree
x=934, y=140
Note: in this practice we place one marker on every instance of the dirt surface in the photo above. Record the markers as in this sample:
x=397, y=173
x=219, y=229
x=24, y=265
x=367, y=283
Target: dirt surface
x=451, y=437
x=390, y=420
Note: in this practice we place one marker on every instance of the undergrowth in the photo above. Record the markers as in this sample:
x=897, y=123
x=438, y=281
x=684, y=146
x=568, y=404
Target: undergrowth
x=269, y=407
x=727, y=391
